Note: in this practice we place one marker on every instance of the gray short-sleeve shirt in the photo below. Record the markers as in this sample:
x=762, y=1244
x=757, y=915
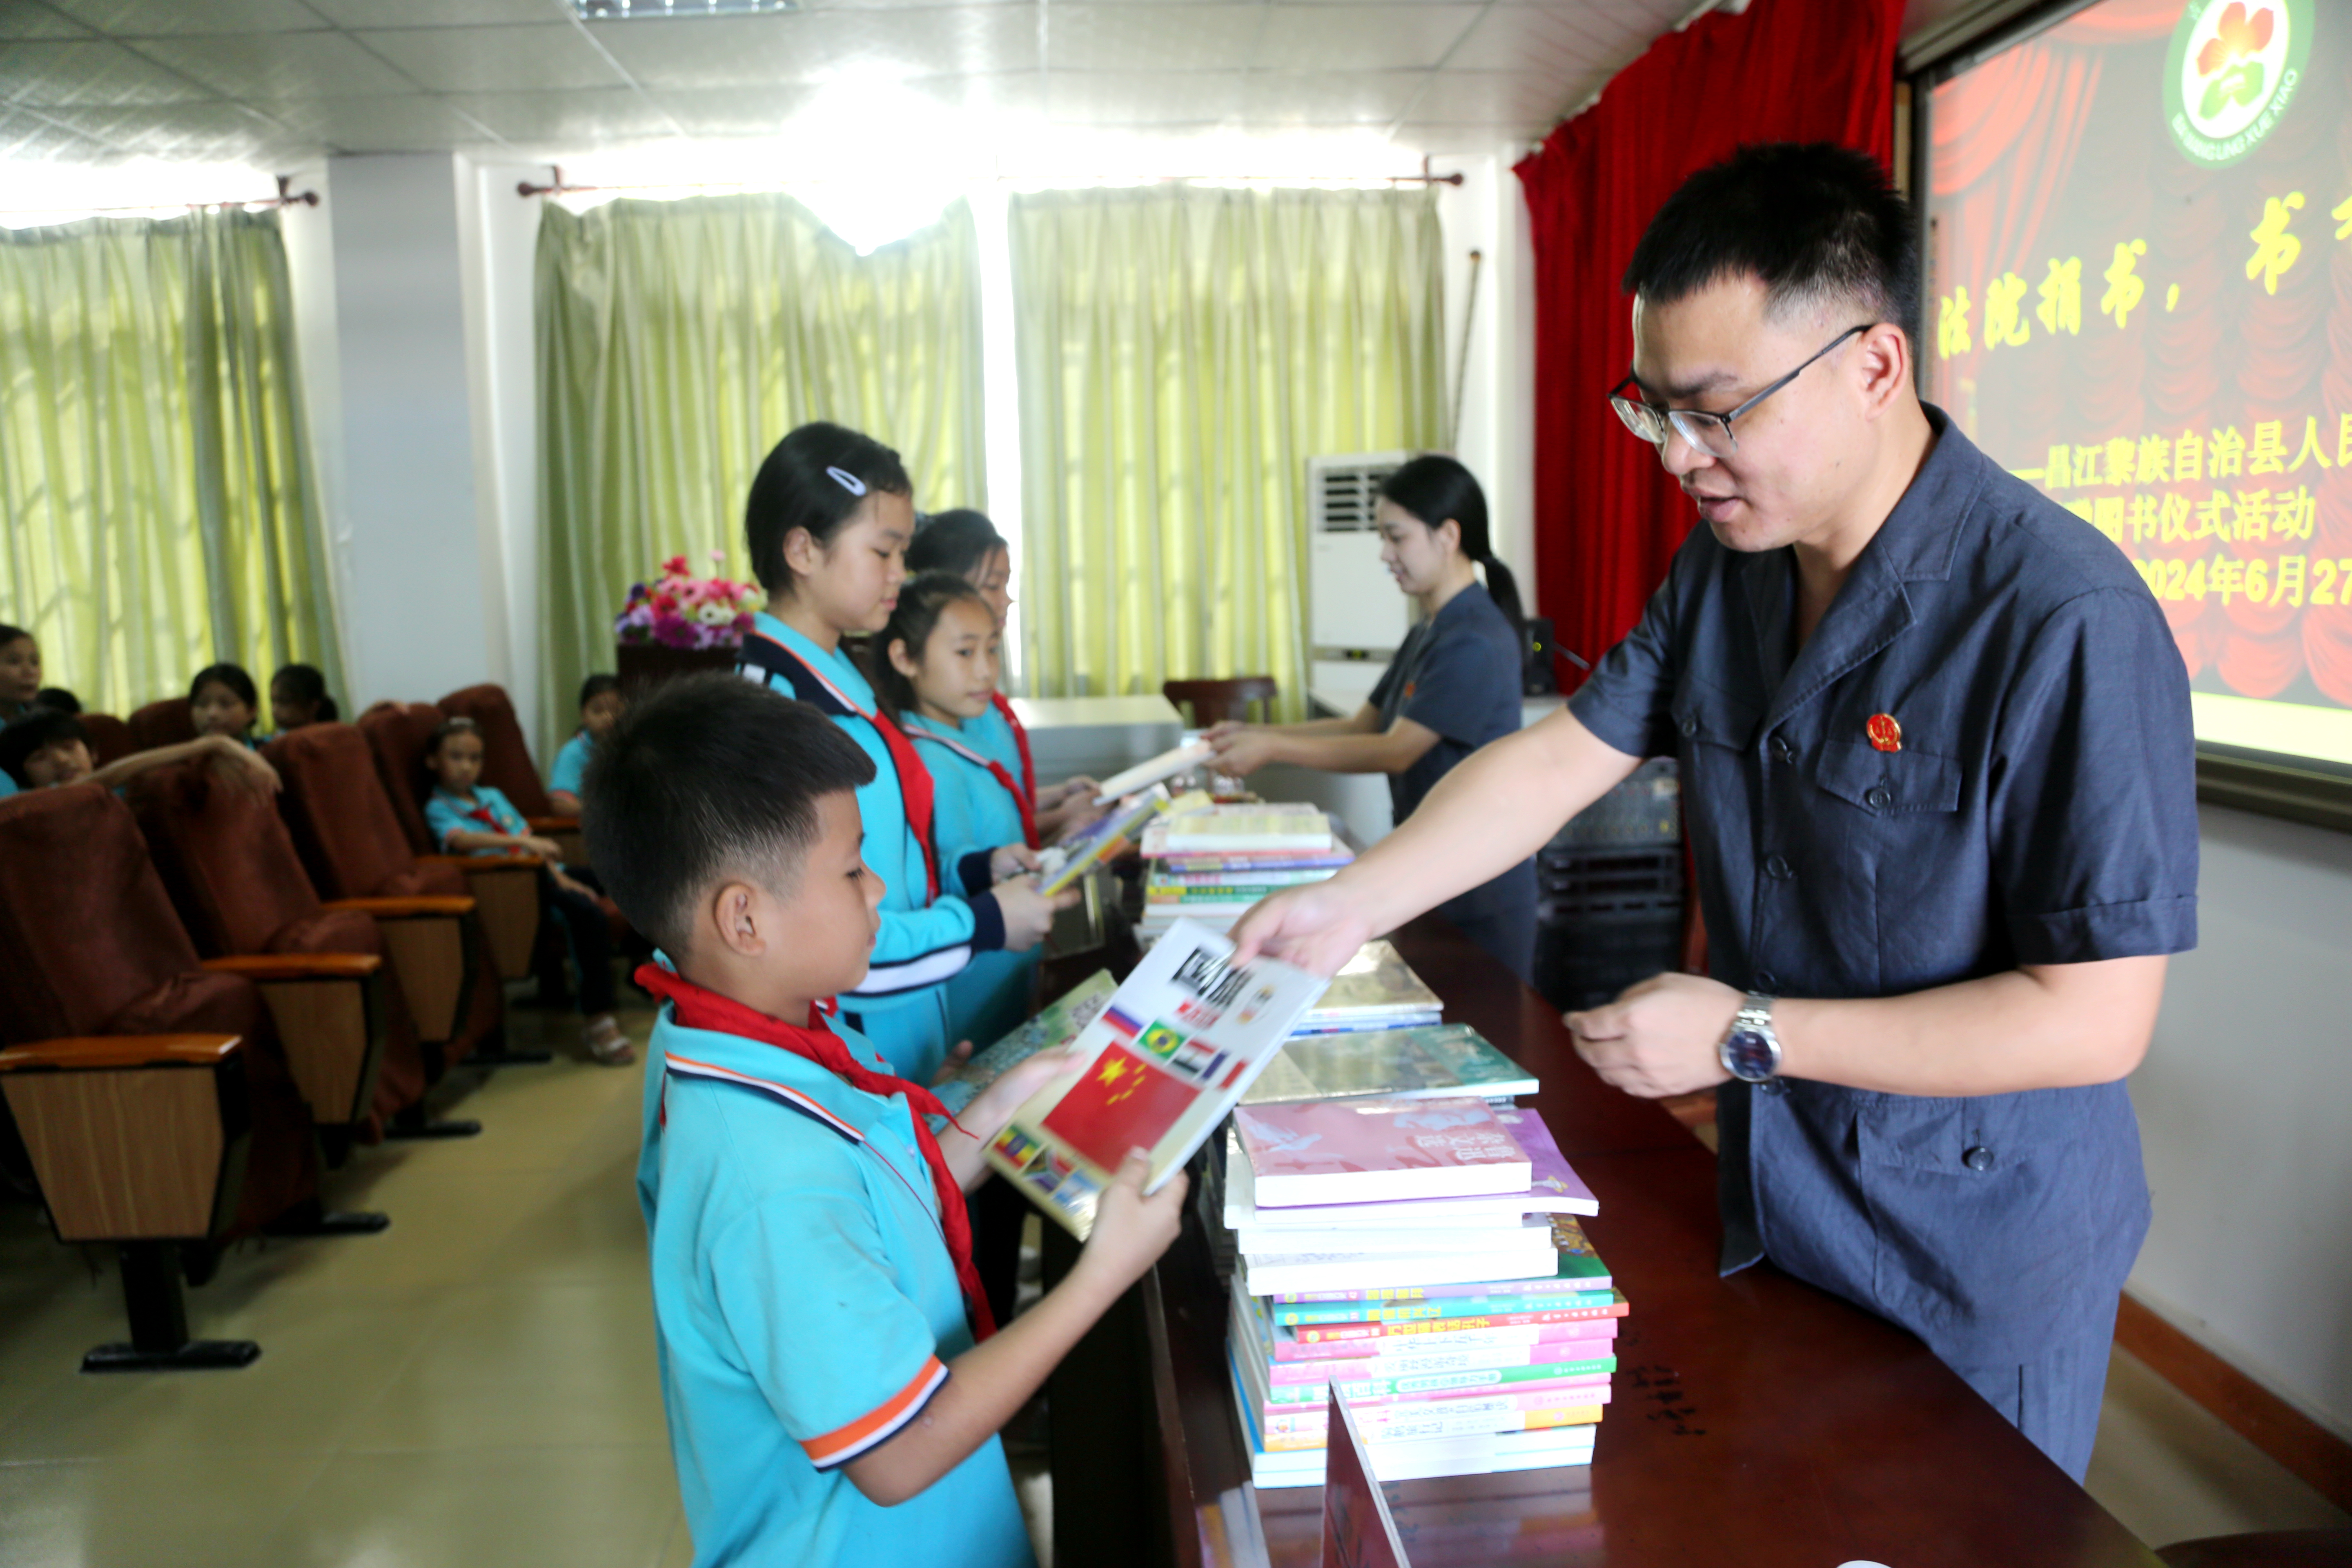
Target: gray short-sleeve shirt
x=2038, y=806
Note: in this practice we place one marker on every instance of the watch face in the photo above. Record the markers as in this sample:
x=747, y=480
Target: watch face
x=1749, y=1054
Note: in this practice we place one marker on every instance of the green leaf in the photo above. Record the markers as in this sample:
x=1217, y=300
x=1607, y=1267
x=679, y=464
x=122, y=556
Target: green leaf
x=2250, y=81
x=2210, y=104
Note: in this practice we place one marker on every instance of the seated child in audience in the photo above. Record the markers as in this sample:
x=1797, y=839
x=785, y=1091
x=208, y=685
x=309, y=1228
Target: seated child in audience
x=600, y=708
x=57, y=699
x=298, y=696
x=965, y=543
x=833, y=1386
x=828, y=524
x=46, y=748
x=20, y=672
x=468, y=816
x=934, y=669
x=223, y=701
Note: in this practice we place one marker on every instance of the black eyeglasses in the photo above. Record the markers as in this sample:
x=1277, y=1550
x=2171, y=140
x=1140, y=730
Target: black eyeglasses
x=1710, y=433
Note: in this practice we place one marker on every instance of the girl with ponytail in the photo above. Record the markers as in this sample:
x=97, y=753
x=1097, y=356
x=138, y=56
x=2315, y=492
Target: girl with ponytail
x=1452, y=687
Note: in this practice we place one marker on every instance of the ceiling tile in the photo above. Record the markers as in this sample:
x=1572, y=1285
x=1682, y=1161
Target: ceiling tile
x=29, y=138
x=281, y=65
x=27, y=21
x=1436, y=141
x=438, y=13
x=1144, y=38
x=724, y=114
x=1546, y=38
x=1493, y=98
x=1338, y=98
x=90, y=72
x=583, y=118
x=1360, y=37
x=408, y=122
x=1162, y=97
x=821, y=46
x=496, y=59
x=147, y=18
x=194, y=132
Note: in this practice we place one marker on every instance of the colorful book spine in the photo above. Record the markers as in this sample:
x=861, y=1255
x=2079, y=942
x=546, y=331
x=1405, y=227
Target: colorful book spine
x=1505, y=1307
x=1396, y=1320
x=1564, y=1359
x=1361, y=1390
x=1311, y=1417
x=1595, y=1333
x=1444, y=1426
x=1557, y=1286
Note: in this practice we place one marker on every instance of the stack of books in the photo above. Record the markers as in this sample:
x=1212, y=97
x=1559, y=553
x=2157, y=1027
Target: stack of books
x=1211, y=864
x=1423, y=1260
x=1377, y=989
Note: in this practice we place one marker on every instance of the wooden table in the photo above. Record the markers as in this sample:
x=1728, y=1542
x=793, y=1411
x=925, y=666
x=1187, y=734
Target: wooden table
x=1757, y=1421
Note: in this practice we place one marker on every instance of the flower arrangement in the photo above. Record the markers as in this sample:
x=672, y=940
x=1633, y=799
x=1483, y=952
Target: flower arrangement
x=676, y=610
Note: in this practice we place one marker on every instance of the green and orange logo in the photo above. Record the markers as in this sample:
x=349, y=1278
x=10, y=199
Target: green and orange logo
x=2233, y=71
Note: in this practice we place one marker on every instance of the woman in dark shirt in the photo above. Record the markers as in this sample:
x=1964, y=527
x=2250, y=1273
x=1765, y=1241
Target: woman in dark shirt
x=1452, y=687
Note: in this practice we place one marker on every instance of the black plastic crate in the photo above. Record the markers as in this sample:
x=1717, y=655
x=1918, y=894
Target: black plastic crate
x=1609, y=884
x=1585, y=965
x=1646, y=807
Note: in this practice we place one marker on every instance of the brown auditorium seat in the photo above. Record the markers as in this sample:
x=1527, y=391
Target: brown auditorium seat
x=352, y=844
x=507, y=765
x=91, y=952
x=229, y=865
x=397, y=735
x=165, y=724
x=109, y=738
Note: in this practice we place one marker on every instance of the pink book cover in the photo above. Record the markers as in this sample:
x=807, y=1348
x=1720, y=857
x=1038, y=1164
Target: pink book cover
x=1566, y=1396
x=1435, y=1358
x=1378, y=1139
x=1598, y=1333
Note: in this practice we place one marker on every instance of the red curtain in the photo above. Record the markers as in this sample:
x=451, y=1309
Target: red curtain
x=1608, y=518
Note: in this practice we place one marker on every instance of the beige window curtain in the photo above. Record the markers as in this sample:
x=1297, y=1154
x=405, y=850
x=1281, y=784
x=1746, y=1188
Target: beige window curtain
x=156, y=480
x=679, y=341
x=1183, y=352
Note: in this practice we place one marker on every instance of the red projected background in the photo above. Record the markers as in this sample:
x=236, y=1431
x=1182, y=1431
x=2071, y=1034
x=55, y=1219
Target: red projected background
x=2139, y=296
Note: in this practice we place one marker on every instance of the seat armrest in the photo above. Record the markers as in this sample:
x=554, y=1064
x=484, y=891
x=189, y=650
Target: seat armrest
x=120, y=1051
x=298, y=965
x=514, y=861
x=552, y=826
x=406, y=908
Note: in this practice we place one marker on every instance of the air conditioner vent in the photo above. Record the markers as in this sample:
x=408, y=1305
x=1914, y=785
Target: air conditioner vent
x=1342, y=491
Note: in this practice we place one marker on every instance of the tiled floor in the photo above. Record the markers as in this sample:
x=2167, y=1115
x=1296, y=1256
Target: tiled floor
x=475, y=1385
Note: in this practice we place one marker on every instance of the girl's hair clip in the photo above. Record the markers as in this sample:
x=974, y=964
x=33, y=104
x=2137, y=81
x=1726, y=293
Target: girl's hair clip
x=847, y=480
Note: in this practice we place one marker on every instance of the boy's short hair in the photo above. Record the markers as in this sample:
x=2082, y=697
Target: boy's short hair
x=41, y=727
x=708, y=777
x=596, y=686
x=1817, y=224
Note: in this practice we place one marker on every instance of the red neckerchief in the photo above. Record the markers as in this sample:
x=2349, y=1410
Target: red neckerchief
x=1003, y=705
x=1026, y=804
x=696, y=1008
x=915, y=788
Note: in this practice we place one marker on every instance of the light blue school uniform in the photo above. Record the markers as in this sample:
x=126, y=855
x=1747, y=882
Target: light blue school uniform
x=7, y=786
x=572, y=763
x=992, y=736
x=902, y=1004
x=805, y=1306
x=445, y=814
x=974, y=815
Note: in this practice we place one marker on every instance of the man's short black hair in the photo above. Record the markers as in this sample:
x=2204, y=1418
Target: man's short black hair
x=1817, y=223
x=708, y=777
x=39, y=728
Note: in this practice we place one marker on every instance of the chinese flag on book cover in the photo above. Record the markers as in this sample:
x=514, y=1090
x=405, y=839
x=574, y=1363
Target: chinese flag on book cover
x=1124, y=1102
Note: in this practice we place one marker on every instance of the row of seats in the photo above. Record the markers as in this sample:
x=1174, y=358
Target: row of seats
x=205, y=997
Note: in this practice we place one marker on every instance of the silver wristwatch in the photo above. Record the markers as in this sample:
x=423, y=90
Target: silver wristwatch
x=1750, y=1051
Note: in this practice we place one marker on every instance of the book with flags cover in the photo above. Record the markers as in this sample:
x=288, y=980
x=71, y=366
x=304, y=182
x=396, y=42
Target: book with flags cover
x=1176, y=1047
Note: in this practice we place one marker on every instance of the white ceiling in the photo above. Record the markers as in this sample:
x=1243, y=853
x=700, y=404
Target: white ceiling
x=270, y=83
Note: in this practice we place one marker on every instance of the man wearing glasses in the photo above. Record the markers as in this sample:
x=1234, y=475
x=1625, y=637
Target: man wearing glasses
x=1938, y=770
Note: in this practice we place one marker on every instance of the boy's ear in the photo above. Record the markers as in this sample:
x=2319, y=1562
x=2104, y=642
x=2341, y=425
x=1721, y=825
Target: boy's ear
x=739, y=918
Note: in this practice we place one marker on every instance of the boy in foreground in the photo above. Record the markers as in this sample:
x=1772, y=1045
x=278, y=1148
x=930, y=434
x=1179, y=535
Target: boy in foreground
x=832, y=1382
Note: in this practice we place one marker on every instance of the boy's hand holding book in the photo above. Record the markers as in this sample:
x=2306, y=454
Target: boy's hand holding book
x=1011, y=861
x=992, y=1106
x=1131, y=1230
x=1028, y=913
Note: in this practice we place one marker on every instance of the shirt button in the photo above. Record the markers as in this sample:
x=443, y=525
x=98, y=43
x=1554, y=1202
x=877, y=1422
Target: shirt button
x=1978, y=1159
x=1768, y=981
x=1879, y=797
x=1690, y=725
x=1778, y=869
x=1782, y=751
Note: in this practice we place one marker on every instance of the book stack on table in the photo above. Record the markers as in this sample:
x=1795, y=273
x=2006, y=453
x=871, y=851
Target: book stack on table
x=1211, y=863
x=1421, y=1258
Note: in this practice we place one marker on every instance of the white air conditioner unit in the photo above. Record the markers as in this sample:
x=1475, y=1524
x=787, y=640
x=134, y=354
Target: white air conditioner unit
x=1353, y=608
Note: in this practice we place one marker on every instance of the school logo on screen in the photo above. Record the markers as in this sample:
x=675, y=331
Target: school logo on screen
x=2233, y=72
